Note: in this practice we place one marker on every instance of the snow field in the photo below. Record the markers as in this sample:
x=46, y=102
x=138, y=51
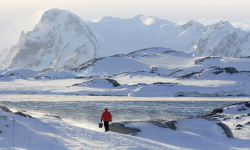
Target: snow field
x=48, y=132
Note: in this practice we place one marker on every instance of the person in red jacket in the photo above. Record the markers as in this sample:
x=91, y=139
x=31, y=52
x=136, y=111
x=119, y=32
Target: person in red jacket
x=106, y=117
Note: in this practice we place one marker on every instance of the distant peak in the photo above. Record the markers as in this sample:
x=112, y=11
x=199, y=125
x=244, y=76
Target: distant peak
x=147, y=20
x=225, y=24
x=192, y=23
x=55, y=16
x=52, y=13
x=55, y=13
x=108, y=19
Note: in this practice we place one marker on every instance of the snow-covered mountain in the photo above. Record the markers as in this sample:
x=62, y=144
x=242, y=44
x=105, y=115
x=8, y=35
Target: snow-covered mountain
x=126, y=35
x=60, y=38
x=63, y=39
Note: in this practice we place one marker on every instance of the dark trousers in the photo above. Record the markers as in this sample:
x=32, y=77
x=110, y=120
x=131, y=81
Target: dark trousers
x=106, y=125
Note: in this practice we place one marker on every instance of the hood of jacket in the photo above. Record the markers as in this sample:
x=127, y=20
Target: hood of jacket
x=106, y=109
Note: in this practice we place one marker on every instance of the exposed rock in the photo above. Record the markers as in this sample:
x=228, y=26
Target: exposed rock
x=1, y=131
x=120, y=128
x=226, y=118
x=230, y=70
x=215, y=111
x=22, y=114
x=242, y=108
x=239, y=125
x=189, y=75
x=227, y=130
x=171, y=124
x=166, y=83
x=199, y=61
x=207, y=115
x=248, y=123
x=114, y=82
x=3, y=116
x=247, y=104
x=53, y=116
x=5, y=109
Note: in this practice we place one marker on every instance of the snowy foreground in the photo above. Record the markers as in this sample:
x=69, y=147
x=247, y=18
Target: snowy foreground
x=40, y=131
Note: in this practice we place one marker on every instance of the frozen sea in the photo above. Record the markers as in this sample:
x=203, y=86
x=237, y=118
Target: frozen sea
x=87, y=110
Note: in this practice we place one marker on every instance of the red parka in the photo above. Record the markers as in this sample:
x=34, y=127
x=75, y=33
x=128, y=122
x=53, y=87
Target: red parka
x=106, y=116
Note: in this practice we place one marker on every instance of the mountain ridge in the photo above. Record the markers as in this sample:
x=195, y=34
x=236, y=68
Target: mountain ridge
x=53, y=43
x=62, y=38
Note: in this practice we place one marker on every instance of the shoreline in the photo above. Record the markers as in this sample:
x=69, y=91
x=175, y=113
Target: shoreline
x=50, y=98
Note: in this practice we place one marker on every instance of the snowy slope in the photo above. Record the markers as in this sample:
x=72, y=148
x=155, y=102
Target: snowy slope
x=236, y=117
x=33, y=130
x=153, y=72
x=60, y=39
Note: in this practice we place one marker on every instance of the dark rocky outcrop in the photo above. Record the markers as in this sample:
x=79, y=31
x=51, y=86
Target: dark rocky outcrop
x=20, y=113
x=114, y=82
x=3, y=117
x=239, y=125
x=226, y=129
x=5, y=109
x=53, y=116
x=120, y=128
x=247, y=104
x=217, y=70
x=216, y=111
x=171, y=124
x=189, y=75
x=23, y=114
x=230, y=70
x=199, y=61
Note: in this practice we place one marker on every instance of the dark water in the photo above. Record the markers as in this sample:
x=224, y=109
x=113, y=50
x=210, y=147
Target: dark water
x=90, y=111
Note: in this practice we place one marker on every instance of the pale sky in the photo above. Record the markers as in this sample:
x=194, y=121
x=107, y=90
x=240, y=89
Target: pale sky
x=22, y=15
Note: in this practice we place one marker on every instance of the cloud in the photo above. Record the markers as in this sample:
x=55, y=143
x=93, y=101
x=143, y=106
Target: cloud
x=13, y=25
x=245, y=25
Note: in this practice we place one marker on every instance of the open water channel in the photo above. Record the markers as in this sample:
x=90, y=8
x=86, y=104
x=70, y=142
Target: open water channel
x=82, y=110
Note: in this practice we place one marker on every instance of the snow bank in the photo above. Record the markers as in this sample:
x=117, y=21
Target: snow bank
x=237, y=118
x=47, y=132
